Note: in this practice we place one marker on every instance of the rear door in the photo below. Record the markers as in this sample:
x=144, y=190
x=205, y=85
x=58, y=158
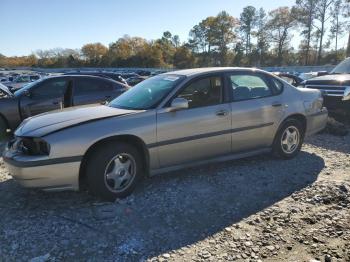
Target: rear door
x=92, y=90
x=46, y=96
x=200, y=132
x=257, y=108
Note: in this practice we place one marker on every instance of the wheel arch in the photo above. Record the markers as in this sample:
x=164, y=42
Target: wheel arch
x=136, y=141
x=297, y=116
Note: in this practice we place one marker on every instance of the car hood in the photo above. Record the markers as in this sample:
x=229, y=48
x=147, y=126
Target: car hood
x=332, y=79
x=47, y=123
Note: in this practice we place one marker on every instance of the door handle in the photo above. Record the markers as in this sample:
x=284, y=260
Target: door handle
x=222, y=113
x=276, y=104
x=55, y=102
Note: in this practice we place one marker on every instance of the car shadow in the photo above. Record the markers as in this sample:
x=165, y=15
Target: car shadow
x=166, y=212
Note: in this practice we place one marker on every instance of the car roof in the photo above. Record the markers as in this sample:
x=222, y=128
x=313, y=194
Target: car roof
x=89, y=76
x=199, y=71
x=80, y=75
x=90, y=72
x=85, y=76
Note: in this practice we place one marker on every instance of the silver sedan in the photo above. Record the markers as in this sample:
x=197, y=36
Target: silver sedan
x=166, y=122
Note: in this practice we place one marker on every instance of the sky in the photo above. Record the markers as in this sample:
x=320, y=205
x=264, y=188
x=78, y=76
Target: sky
x=29, y=25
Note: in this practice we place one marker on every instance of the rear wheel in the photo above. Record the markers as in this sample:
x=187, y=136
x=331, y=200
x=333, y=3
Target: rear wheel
x=114, y=170
x=289, y=139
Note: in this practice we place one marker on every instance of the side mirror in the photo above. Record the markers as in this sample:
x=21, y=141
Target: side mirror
x=178, y=104
x=346, y=96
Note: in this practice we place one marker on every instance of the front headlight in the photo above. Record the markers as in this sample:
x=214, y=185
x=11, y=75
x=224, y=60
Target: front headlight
x=30, y=146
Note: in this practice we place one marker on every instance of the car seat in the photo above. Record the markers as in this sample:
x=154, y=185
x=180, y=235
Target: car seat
x=241, y=93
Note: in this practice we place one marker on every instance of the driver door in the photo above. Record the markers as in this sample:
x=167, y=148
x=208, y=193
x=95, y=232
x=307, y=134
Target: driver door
x=199, y=132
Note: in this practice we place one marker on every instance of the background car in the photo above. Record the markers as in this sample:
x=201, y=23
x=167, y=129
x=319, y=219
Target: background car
x=292, y=79
x=20, y=81
x=143, y=72
x=333, y=87
x=53, y=93
x=167, y=122
x=127, y=75
x=4, y=91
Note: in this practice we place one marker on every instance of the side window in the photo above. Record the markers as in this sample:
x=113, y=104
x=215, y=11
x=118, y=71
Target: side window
x=277, y=86
x=88, y=85
x=50, y=89
x=203, y=92
x=289, y=80
x=246, y=86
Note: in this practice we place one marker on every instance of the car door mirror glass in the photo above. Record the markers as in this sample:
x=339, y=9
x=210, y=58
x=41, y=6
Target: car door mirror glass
x=178, y=104
x=346, y=96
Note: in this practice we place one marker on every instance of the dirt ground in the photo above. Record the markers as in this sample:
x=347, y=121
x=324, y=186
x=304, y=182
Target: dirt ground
x=256, y=209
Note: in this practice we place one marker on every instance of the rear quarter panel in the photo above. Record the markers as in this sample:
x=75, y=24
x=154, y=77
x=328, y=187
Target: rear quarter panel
x=292, y=103
x=307, y=102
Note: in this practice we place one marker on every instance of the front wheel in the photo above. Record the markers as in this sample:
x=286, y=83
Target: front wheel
x=289, y=139
x=114, y=170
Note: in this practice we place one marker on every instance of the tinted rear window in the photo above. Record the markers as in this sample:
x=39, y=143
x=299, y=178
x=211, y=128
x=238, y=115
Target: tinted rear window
x=88, y=85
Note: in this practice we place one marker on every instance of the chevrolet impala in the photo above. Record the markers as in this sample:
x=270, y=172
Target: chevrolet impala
x=170, y=121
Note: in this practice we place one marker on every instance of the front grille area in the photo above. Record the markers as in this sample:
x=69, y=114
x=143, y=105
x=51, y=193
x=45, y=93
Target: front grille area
x=329, y=90
x=335, y=103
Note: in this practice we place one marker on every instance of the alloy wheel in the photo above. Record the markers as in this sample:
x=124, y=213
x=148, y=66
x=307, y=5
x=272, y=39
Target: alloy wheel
x=290, y=139
x=120, y=172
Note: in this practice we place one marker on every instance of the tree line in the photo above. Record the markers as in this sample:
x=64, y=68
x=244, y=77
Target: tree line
x=256, y=38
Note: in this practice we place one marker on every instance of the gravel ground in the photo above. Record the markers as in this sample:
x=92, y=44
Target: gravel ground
x=256, y=209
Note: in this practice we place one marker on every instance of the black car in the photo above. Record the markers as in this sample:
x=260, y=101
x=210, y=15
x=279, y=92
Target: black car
x=114, y=76
x=333, y=86
x=53, y=93
x=290, y=78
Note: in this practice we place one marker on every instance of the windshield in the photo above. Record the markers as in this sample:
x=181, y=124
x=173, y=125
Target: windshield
x=27, y=86
x=342, y=68
x=147, y=94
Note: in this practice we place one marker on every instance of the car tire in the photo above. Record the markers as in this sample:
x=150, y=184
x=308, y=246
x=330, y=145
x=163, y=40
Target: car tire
x=114, y=170
x=289, y=139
